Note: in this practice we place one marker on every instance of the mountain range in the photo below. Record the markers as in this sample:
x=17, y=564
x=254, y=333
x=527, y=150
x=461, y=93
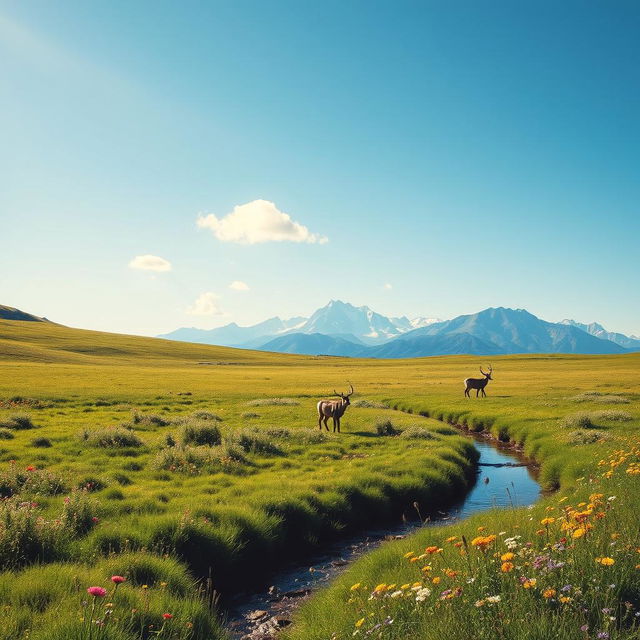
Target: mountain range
x=341, y=329
x=359, y=325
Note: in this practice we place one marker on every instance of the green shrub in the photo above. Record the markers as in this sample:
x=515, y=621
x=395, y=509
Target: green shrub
x=255, y=441
x=363, y=403
x=417, y=432
x=122, y=479
x=206, y=415
x=596, y=396
x=18, y=422
x=385, y=428
x=614, y=415
x=249, y=415
x=196, y=460
x=279, y=432
x=198, y=434
x=91, y=484
x=26, y=537
x=578, y=421
x=580, y=437
x=30, y=482
x=79, y=512
x=41, y=443
x=141, y=418
x=111, y=437
x=6, y=434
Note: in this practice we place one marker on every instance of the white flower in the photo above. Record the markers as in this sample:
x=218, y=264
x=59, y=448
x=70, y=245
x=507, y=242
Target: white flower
x=396, y=594
x=423, y=594
x=494, y=599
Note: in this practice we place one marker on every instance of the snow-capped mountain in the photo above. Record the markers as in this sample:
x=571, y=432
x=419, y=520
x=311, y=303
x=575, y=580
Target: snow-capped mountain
x=597, y=330
x=340, y=328
x=354, y=324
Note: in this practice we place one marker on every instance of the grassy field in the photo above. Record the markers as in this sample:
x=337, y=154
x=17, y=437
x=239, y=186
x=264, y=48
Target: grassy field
x=165, y=462
x=568, y=568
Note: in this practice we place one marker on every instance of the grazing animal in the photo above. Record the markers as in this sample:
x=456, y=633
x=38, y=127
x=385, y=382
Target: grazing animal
x=478, y=383
x=333, y=409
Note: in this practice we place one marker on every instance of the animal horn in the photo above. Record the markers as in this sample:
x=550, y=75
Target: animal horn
x=351, y=387
x=335, y=393
x=481, y=371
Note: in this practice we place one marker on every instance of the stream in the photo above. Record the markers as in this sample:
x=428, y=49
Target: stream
x=503, y=480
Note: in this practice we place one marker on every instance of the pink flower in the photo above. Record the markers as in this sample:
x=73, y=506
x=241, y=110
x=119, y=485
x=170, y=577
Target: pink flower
x=117, y=579
x=97, y=592
x=167, y=616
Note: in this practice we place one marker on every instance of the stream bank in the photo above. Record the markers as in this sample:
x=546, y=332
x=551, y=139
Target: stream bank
x=504, y=479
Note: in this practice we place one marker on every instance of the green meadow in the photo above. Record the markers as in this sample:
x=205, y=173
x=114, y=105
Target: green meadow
x=194, y=472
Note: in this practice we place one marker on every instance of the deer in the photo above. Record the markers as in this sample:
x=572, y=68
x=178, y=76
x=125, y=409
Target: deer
x=478, y=383
x=333, y=409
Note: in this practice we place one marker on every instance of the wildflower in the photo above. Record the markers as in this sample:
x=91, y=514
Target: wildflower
x=409, y=554
x=548, y=593
x=482, y=542
x=494, y=599
x=436, y=580
x=505, y=557
x=605, y=562
x=167, y=616
x=97, y=592
x=452, y=538
x=117, y=579
x=359, y=623
x=396, y=594
x=381, y=587
x=422, y=594
x=547, y=521
x=578, y=533
x=30, y=468
x=433, y=550
x=565, y=599
x=584, y=628
x=506, y=567
x=529, y=583
x=602, y=635
x=480, y=603
x=355, y=586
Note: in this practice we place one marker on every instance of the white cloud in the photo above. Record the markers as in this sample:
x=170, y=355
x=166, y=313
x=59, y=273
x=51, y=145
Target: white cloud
x=255, y=222
x=205, y=305
x=388, y=287
x=150, y=263
x=238, y=285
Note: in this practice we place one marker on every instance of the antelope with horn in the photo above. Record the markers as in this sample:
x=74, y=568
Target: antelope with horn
x=478, y=383
x=333, y=409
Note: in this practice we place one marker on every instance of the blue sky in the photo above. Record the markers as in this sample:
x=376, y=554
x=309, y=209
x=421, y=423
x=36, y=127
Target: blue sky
x=455, y=156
